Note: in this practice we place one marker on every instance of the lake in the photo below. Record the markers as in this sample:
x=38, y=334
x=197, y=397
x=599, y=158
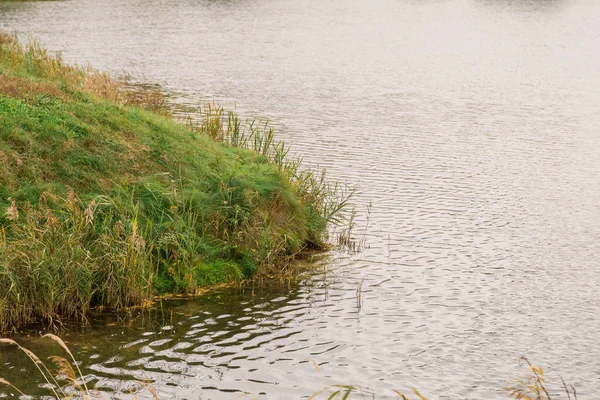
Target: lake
x=471, y=129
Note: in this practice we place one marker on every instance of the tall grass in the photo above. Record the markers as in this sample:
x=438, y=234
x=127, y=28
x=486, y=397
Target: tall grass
x=104, y=203
x=328, y=199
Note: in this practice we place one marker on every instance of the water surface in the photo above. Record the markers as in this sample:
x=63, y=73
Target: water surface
x=472, y=127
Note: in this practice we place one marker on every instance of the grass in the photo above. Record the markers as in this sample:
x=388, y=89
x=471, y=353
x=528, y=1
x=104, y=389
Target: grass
x=106, y=201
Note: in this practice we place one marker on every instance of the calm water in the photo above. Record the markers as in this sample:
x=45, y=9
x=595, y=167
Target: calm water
x=473, y=128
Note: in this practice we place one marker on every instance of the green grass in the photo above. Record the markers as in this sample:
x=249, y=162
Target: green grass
x=106, y=203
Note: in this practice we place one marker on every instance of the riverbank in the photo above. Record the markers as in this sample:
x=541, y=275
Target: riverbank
x=106, y=201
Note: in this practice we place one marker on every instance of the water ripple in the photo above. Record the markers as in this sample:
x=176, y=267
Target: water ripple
x=471, y=130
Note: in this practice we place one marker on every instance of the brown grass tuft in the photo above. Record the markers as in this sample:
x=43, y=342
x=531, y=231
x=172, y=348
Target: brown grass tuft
x=12, y=213
x=6, y=37
x=26, y=89
x=66, y=348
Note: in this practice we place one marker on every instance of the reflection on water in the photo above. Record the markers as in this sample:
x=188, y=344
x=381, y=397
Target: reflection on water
x=472, y=128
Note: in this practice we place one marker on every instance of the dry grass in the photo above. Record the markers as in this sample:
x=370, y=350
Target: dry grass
x=56, y=73
x=534, y=386
x=61, y=369
x=5, y=37
x=27, y=89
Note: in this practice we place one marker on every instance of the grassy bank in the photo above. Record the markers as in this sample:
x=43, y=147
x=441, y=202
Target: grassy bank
x=105, y=203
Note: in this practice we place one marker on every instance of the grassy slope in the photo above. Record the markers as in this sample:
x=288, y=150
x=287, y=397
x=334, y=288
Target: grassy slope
x=103, y=203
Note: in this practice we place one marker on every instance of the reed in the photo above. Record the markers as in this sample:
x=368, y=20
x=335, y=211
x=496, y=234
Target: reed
x=60, y=370
x=534, y=386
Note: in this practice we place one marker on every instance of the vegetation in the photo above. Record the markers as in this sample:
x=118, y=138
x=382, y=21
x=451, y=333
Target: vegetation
x=105, y=203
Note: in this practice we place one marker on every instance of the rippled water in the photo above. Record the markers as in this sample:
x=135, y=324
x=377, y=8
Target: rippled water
x=472, y=129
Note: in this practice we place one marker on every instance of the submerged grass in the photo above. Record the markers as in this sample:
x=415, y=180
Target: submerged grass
x=105, y=201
